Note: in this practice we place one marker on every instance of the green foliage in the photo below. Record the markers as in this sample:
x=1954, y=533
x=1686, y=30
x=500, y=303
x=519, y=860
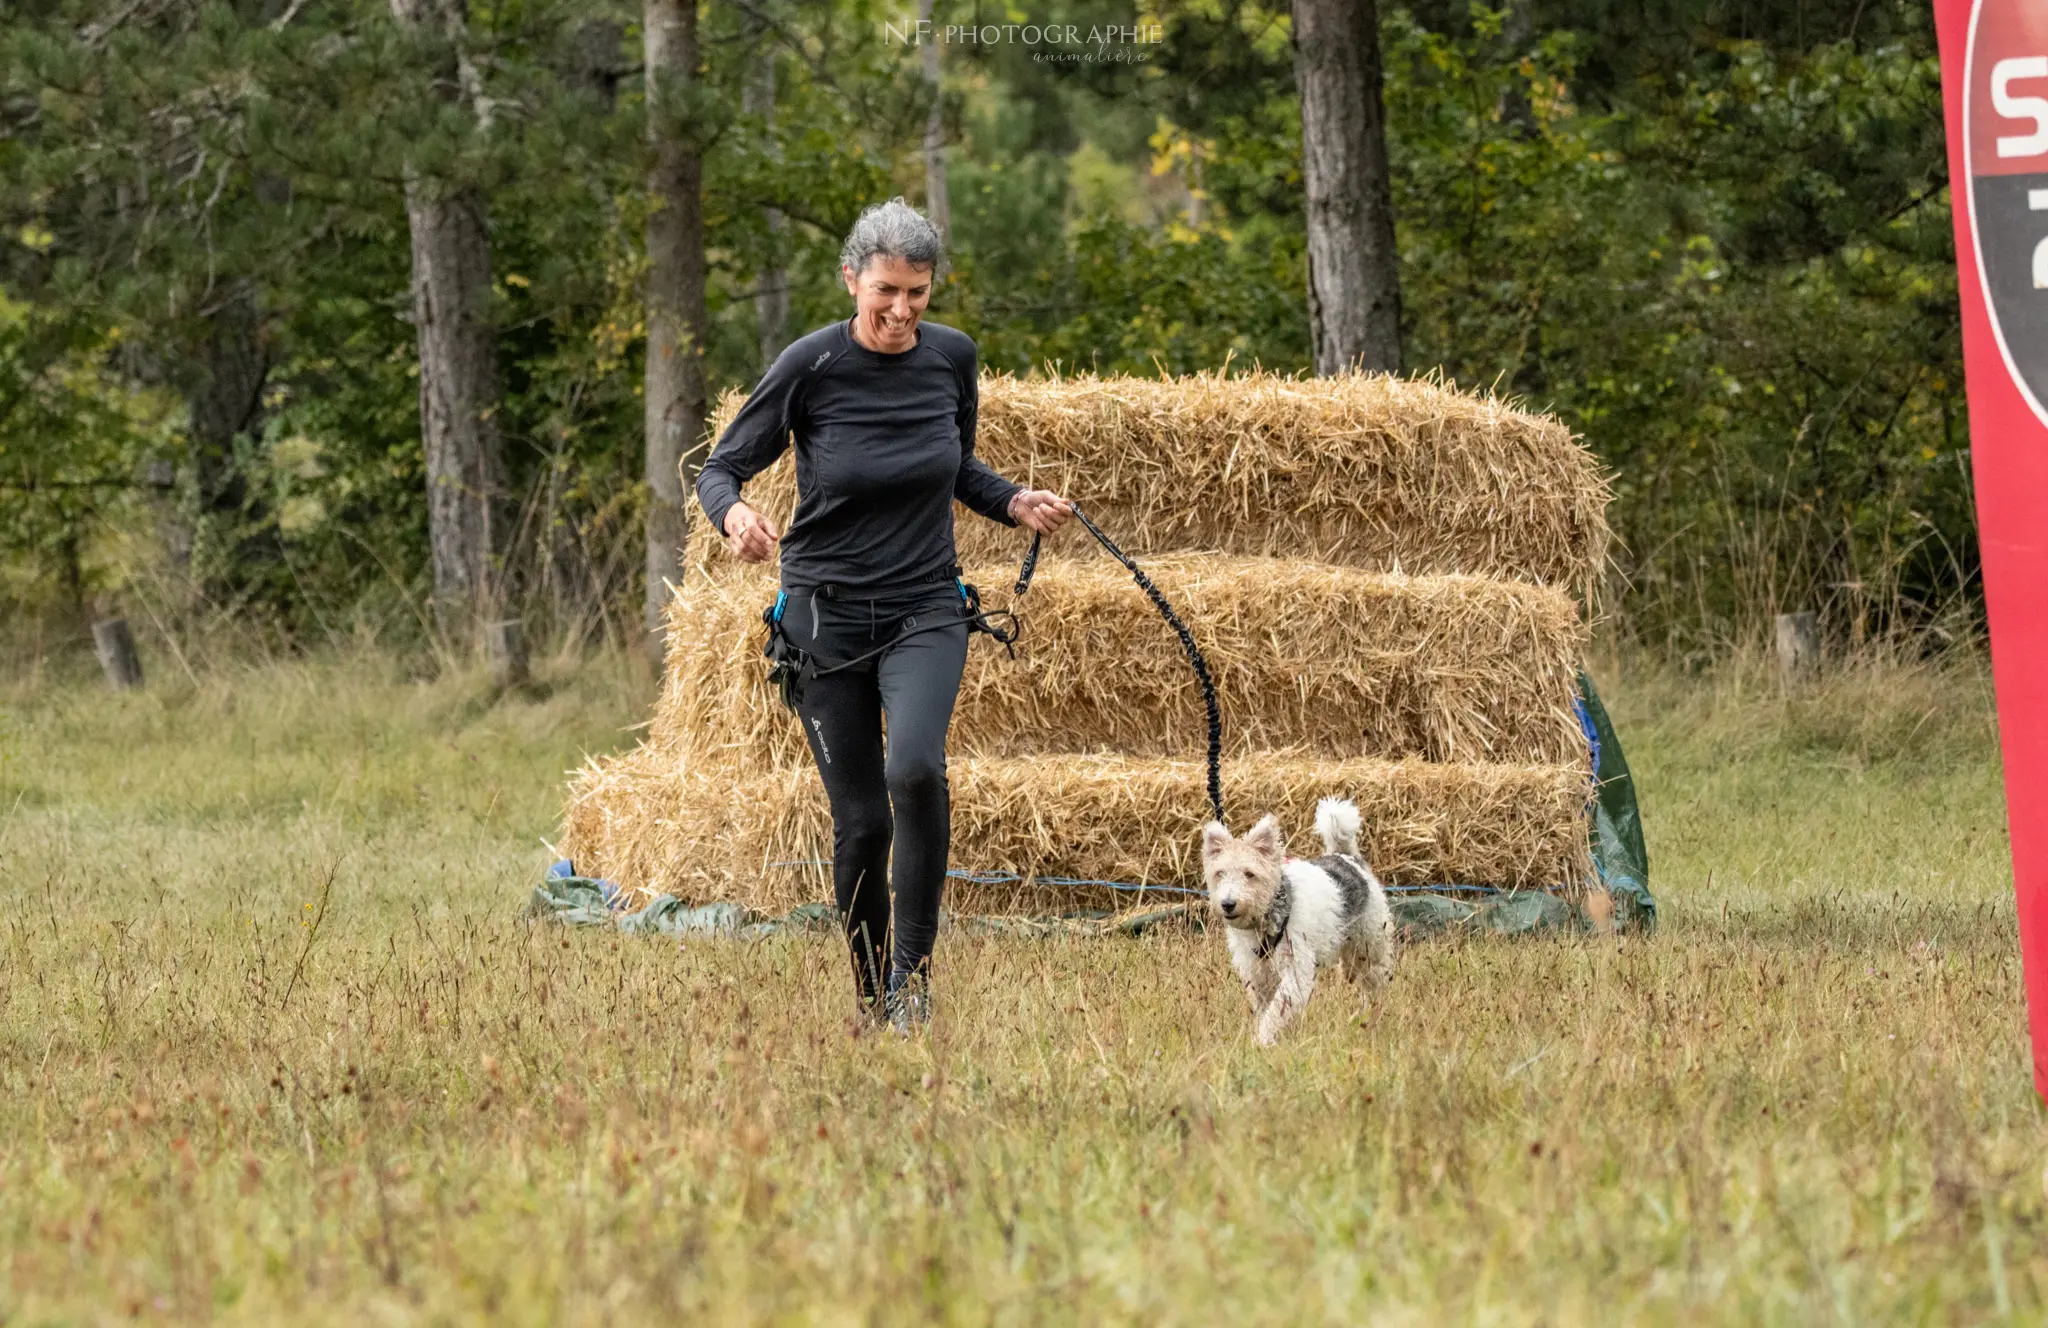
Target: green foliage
x=1748, y=306
x=1134, y=299
x=73, y=440
x=1715, y=242
x=1732, y=273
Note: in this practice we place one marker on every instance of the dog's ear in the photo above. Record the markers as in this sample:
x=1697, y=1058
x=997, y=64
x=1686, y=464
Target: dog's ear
x=1265, y=837
x=1214, y=837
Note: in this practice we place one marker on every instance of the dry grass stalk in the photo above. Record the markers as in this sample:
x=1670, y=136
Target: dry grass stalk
x=1364, y=470
x=706, y=834
x=1340, y=661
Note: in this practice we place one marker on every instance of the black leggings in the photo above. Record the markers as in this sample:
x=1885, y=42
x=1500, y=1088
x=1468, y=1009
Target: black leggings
x=882, y=798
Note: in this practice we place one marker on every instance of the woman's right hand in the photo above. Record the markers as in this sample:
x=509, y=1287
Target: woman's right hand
x=748, y=534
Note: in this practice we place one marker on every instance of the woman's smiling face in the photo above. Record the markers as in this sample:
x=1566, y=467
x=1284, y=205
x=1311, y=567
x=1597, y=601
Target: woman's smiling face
x=889, y=296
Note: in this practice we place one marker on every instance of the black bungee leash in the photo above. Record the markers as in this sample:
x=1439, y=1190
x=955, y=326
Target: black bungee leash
x=792, y=666
x=1187, y=641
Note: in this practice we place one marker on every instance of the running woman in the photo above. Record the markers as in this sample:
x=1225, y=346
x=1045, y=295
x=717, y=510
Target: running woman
x=882, y=408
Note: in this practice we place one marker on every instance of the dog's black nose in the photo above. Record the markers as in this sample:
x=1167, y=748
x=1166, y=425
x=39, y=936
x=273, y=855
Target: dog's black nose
x=1229, y=907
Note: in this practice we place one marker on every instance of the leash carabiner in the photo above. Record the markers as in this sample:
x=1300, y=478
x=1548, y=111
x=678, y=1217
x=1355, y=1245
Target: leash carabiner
x=979, y=621
x=788, y=664
x=1030, y=567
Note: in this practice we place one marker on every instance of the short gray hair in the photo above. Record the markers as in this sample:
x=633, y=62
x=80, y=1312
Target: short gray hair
x=894, y=230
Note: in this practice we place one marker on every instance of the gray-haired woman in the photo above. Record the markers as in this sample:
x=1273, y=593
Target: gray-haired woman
x=882, y=407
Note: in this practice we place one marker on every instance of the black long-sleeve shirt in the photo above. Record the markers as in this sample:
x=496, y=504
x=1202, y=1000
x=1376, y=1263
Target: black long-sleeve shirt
x=884, y=444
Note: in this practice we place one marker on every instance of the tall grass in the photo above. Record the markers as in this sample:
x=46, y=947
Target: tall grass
x=275, y=1044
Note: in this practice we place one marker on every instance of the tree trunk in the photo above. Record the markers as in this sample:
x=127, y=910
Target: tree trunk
x=458, y=354
x=226, y=400
x=771, y=295
x=937, y=207
x=227, y=365
x=675, y=297
x=1354, y=291
x=458, y=350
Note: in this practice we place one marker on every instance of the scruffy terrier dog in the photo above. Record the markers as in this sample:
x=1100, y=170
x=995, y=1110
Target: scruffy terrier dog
x=1285, y=916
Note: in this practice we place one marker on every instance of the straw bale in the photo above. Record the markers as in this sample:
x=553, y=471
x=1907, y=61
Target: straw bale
x=1381, y=573
x=702, y=834
x=1363, y=470
x=1339, y=661
x=629, y=814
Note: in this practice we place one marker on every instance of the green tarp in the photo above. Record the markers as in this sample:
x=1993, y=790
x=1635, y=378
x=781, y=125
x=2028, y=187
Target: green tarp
x=580, y=901
x=1617, y=830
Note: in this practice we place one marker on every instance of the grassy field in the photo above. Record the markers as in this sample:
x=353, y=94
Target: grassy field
x=275, y=1043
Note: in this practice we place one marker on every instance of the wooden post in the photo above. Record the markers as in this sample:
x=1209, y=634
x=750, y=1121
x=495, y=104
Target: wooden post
x=505, y=645
x=1798, y=646
x=116, y=646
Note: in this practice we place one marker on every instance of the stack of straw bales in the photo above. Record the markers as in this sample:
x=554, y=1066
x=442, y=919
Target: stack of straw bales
x=1385, y=576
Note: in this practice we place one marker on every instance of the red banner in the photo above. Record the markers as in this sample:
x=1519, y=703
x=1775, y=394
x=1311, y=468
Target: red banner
x=1994, y=77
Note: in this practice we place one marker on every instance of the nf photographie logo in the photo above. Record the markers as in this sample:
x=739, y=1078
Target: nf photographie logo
x=1063, y=43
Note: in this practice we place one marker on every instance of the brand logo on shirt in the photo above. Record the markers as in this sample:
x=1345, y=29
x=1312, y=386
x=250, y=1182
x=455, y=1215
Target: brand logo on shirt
x=823, y=750
x=821, y=359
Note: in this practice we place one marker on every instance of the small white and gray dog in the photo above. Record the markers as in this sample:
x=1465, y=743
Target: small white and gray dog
x=1285, y=917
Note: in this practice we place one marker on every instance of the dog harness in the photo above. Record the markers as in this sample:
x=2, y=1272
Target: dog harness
x=1277, y=918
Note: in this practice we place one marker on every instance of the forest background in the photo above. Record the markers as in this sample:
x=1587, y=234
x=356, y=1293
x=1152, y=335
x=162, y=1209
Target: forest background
x=1712, y=236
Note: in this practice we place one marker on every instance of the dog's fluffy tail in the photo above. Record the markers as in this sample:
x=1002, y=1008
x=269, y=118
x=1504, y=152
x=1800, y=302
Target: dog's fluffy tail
x=1337, y=823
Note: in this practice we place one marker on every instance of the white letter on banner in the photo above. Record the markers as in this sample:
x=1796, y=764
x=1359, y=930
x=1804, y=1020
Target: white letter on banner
x=2003, y=75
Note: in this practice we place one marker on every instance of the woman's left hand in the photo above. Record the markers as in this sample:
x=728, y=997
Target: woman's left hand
x=1041, y=509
